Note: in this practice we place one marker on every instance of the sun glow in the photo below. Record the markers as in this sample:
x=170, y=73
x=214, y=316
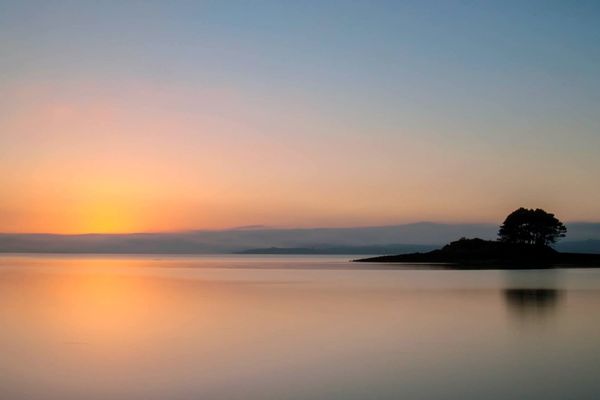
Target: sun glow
x=88, y=158
x=104, y=217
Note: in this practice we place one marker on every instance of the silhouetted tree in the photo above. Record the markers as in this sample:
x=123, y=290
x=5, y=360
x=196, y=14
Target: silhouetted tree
x=533, y=227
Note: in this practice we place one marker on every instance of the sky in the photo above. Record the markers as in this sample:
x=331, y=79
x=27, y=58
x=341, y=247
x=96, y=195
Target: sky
x=129, y=116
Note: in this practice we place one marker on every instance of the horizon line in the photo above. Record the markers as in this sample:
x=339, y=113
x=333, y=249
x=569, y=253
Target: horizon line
x=259, y=227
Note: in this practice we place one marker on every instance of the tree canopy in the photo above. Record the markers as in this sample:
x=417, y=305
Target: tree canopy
x=532, y=227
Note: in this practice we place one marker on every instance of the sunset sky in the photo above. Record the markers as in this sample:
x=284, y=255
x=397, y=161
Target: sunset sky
x=161, y=116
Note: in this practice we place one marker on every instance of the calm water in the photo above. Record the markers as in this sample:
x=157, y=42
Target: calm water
x=292, y=328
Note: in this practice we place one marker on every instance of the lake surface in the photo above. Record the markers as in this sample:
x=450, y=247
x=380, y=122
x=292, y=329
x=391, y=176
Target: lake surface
x=260, y=327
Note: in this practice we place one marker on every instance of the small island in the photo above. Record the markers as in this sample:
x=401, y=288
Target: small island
x=524, y=242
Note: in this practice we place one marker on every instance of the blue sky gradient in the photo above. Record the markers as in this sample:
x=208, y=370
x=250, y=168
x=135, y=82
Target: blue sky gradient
x=450, y=110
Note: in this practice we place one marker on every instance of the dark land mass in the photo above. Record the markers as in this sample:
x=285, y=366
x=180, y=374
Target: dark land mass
x=487, y=254
x=366, y=250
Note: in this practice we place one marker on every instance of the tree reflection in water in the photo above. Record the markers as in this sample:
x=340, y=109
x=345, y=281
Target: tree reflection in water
x=532, y=303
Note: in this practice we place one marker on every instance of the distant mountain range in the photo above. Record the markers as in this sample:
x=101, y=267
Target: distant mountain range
x=581, y=237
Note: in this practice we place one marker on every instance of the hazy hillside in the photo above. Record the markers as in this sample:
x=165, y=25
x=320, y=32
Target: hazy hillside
x=235, y=240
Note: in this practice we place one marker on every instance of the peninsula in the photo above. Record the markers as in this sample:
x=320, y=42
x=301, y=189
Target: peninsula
x=488, y=254
x=524, y=242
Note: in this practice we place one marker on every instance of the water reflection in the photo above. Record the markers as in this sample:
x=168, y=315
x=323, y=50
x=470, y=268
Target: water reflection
x=532, y=303
x=143, y=329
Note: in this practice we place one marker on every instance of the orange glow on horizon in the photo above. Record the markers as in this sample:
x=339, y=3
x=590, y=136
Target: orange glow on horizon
x=87, y=159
